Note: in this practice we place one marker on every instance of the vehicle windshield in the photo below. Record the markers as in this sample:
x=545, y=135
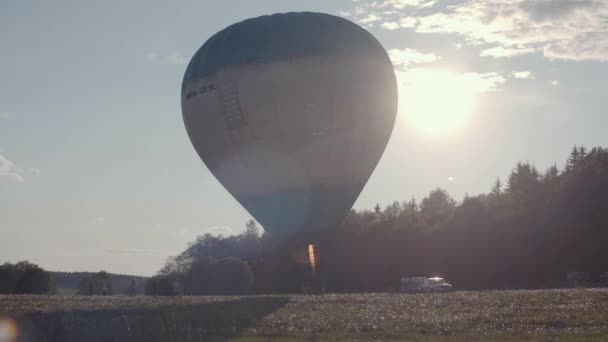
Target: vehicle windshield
x=436, y=281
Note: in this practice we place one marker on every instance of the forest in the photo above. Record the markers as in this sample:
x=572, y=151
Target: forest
x=532, y=230
x=529, y=231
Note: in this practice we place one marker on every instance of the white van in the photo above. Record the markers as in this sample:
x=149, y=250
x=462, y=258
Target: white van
x=424, y=284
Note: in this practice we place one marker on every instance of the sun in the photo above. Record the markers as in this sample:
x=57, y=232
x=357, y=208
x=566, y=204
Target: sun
x=436, y=101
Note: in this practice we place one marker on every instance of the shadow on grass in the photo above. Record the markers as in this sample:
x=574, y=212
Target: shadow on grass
x=216, y=321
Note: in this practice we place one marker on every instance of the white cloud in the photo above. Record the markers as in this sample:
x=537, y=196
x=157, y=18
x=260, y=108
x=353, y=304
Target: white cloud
x=522, y=74
x=403, y=58
x=408, y=22
x=390, y=25
x=501, y=51
x=559, y=29
x=564, y=29
x=9, y=170
x=170, y=59
x=587, y=46
x=34, y=171
x=472, y=82
x=401, y=4
x=367, y=13
x=371, y=18
x=555, y=83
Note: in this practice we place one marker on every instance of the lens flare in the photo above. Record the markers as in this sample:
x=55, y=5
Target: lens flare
x=8, y=330
x=311, y=257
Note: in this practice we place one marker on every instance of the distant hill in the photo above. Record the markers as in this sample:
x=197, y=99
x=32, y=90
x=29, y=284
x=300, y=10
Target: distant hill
x=67, y=282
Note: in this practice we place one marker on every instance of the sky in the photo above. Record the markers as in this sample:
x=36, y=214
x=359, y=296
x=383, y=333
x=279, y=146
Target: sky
x=96, y=169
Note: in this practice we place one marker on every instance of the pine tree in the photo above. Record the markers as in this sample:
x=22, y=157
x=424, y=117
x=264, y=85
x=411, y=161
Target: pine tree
x=582, y=153
x=551, y=174
x=572, y=159
x=377, y=208
x=497, y=187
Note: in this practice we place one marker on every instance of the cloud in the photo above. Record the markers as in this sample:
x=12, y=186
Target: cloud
x=367, y=13
x=408, y=22
x=522, y=74
x=559, y=29
x=390, y=25
x=9, y=170
x=471, y=82
x=4, y=115
x=501, y=51
x=401, y=4
x=555, y=83
x=170, y=59
x=547, y=10
x=588, y=46
x=403, y=58
x=371, y=18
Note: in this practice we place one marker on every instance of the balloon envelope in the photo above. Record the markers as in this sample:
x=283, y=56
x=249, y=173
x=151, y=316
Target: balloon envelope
x=291, y=112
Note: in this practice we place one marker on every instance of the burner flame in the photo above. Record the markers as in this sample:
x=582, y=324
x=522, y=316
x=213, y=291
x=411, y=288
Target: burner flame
x=311, y=257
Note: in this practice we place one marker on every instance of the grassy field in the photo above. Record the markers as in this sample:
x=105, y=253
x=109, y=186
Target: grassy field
x=580, y=314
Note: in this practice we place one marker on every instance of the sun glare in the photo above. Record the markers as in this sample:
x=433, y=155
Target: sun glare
x=436, y=101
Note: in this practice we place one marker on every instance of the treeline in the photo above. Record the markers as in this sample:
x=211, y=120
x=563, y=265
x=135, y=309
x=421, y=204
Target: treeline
x=529, y=231
x=211, y=266
x=25, y=278
x=73, y=282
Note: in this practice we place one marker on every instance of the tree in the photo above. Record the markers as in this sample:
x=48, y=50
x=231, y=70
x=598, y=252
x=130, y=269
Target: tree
x=576, y=156
x=393, y=210
x=97, y=284
x=496, y=188
x=9, y=278
x=132, y=289
x=526, y=232
x=231, y=276
x=25, y=278
x=197, y=281
x=251, y=230
x=582, y=152
x=176, y=264
x=523, y=179
x=437, y=208
x=35, y=280
x=162, y=285
x=551, y=175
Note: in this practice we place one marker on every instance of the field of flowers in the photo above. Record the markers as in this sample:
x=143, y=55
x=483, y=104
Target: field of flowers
x=578, y=314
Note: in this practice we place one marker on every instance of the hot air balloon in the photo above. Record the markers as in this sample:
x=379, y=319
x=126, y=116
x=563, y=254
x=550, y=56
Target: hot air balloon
x=291, y=113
